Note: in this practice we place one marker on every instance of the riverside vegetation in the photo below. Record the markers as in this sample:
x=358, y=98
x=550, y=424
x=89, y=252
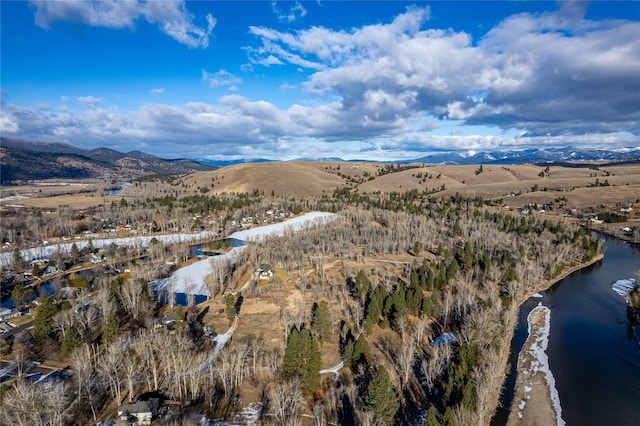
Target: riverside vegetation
x=374, y=287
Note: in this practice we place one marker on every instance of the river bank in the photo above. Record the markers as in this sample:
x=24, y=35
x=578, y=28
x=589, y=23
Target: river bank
x=536, y=400
x=510, y=321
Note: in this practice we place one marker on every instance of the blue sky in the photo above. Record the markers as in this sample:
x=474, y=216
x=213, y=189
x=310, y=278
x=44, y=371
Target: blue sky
x=371, y=80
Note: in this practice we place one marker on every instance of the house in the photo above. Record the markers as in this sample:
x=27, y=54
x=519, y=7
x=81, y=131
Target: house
x=264, y=272
x=6, y=313
x=49, y=270
x=95, y=258
x=140, y=413
x=168, y=321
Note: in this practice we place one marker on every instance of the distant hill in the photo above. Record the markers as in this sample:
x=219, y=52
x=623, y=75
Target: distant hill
x=534, y=155
x=469, y=157
x=26, y=160
x=520, y=184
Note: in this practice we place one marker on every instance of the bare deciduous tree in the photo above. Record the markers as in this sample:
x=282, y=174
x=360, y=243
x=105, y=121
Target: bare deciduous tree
x=285, y=399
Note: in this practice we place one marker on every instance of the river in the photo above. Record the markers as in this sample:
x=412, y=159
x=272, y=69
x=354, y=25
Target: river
x=592, y=352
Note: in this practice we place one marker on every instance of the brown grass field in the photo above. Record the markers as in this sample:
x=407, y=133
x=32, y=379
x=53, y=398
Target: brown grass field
x=314, y=179
x=309, y=179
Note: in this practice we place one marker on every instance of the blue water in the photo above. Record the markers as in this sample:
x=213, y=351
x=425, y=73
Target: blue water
x=198, y=250
x=180, y=298
x=41, y=290
x=592, y=351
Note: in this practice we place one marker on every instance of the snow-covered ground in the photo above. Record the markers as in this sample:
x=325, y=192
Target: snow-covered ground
x=190, y=279
x=253, y=234
x=294, y=224
x=45, y=252
x=540, y=361
x=14, y=198
x=624, y=287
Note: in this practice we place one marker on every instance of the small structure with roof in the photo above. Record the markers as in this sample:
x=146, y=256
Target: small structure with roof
x=139, y=413
x=264, y=272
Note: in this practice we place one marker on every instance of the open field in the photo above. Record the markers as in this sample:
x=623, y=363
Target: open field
x=518, y=185
x=527, y=183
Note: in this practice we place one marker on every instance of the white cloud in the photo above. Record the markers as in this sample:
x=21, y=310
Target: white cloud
x=239, y=127
x=401, y=88
x=157, y=91
x=287, y=86
x=295, y=12
x=171, y=16
x=552, y=73
x=90, y=101
x=221, y=78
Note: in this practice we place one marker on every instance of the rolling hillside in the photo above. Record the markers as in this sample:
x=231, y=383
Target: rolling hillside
x=25, y=160
x=517, y=184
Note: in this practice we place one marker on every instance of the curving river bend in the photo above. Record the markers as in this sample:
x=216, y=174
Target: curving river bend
x=592, y=351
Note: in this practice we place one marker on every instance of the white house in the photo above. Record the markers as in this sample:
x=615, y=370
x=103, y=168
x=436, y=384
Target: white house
x=264, y=272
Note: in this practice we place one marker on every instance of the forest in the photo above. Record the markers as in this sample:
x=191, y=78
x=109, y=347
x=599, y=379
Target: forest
x=414, y=297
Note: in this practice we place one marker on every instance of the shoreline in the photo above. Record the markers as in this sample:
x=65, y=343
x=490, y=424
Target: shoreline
x=536, y=400
x=511, y=324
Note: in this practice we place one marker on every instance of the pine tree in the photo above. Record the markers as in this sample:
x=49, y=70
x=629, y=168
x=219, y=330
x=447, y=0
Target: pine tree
x=449, y=418
x=321, y=322
x=360, y=352
x=381, y=398
x=18, y=260
x=19, y=294
x=230, y=302
x=179, y=319
x=302, y=359
x=43, y=320
x=312, y=359
x=431, y=419
x=292, y=352
x=362, y=284
x=110, y=329
x=72, y=340
x=374, y=307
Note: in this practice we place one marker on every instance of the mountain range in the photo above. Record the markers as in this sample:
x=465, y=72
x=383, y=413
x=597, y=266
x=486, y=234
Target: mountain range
x=25, y=160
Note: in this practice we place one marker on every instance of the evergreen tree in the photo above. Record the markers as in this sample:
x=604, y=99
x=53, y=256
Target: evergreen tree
x=19, y=294
x=360, y=352
x=374, y=307
x=44, y=317
x=230, y=302
x=416, y=248
x=292, y=352
x=431, y=419
x=75, y=253
x=361, y=285
x=180, y=316
x=110, y=329
x=321, y=322
x=302, y=359
x=381, y=398
x=312, y=359
x=347, y=355
x=449, y=418
x=72, y=340
x=35, y=270
x=18, y=260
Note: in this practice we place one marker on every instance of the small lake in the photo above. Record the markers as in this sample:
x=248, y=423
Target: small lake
x=592, y=351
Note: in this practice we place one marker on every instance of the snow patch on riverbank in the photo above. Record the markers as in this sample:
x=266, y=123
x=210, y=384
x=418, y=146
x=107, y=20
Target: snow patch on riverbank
x=624, y=287
x=190, y=279
x=291, y=225
x=540, y=362
x=45, y=252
